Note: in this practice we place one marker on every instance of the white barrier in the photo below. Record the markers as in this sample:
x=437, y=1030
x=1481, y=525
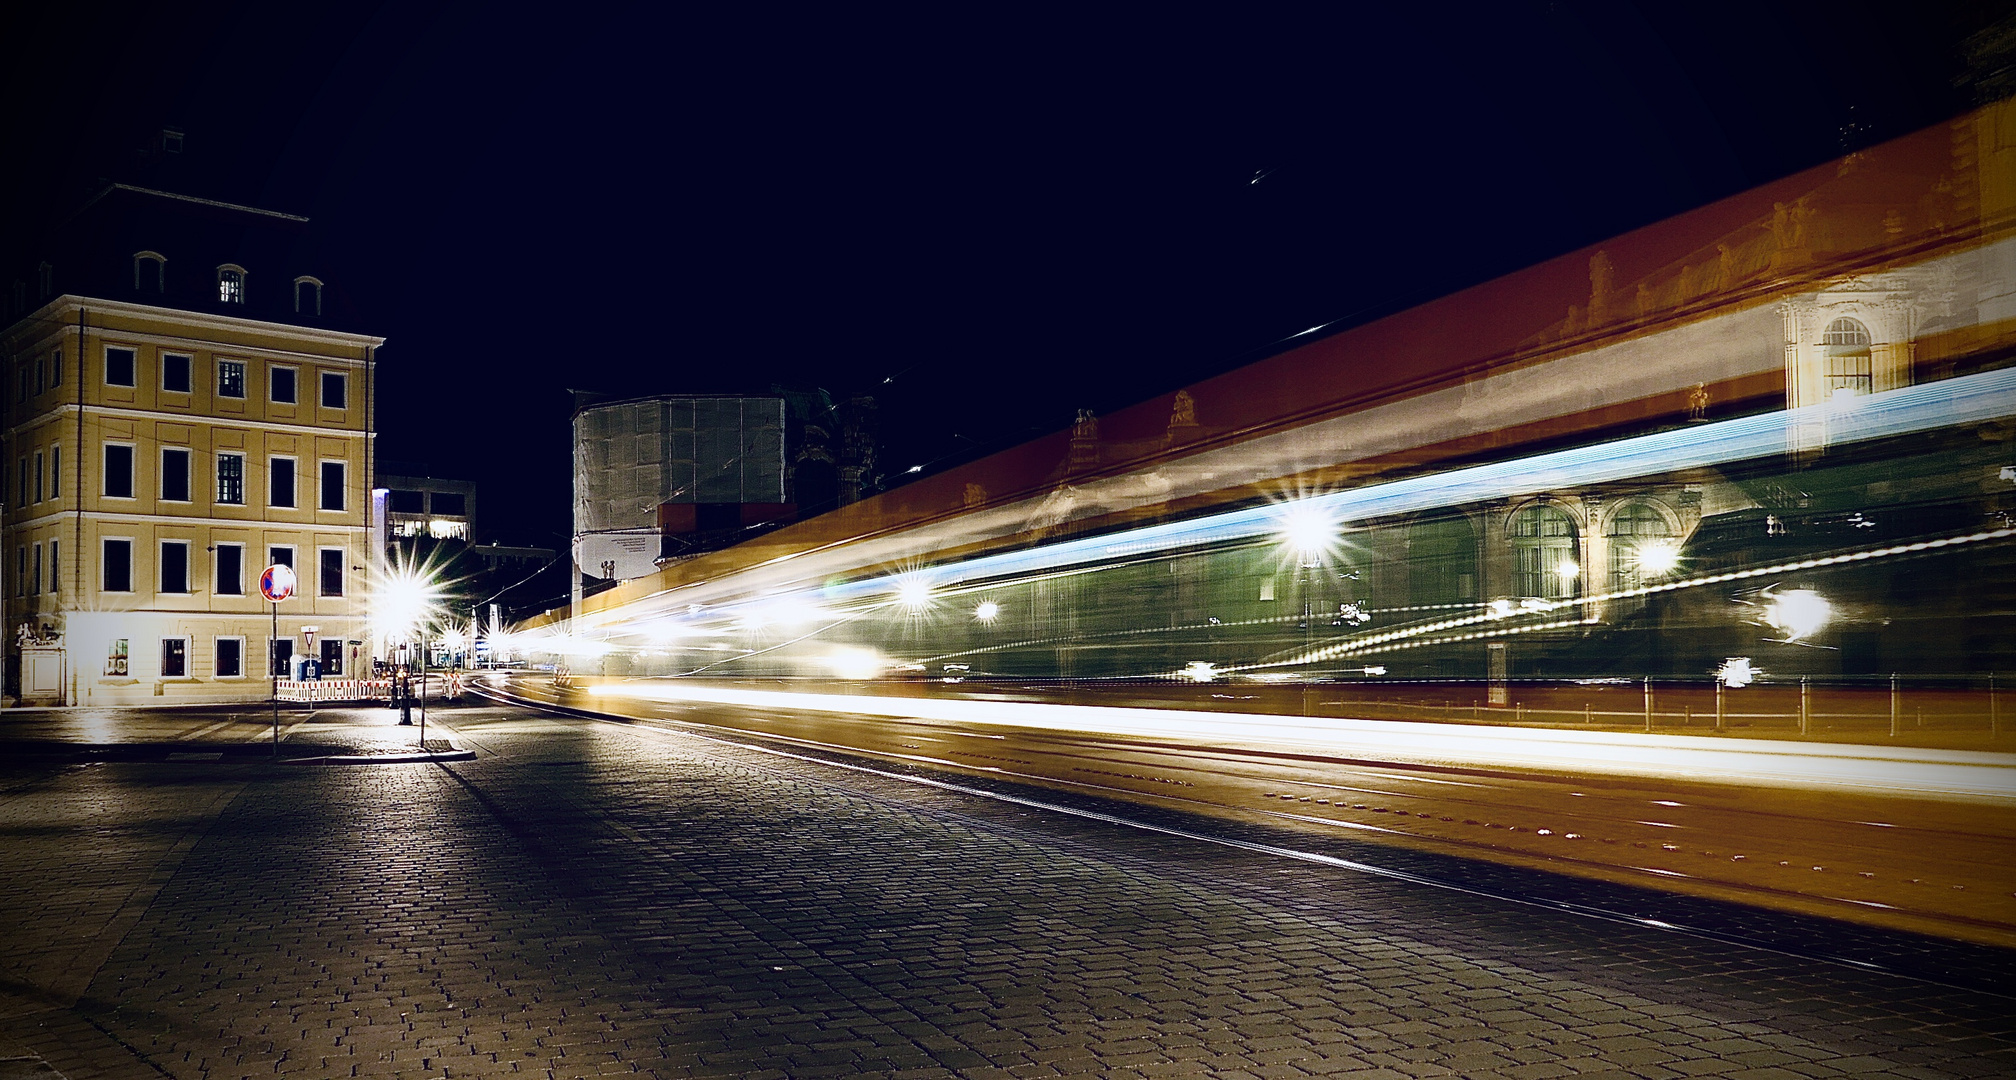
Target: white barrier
x=320, y=690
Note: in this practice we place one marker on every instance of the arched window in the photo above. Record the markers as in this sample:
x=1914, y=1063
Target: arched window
x=1642, y=546
x=150, y=272
x=1544, y=551
x=230, y=284
x=1847, y=344
x=307, y=296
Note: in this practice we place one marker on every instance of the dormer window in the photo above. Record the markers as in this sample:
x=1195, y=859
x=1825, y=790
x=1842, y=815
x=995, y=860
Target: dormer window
x=171, y=141
x=230, y=284
x=45, y=281
x=307, y=296
x=150, y=272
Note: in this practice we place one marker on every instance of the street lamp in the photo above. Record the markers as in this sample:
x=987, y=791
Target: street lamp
x=404, y=604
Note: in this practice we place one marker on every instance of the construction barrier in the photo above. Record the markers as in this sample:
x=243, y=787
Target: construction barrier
x=327, y=690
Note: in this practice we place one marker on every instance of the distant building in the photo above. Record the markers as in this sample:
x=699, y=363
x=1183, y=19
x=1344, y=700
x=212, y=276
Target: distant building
x=187, y=402
x=430, y=506
x=659, y=476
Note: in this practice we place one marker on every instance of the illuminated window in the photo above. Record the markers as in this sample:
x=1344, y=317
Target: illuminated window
x=1848, y=363
x=230, y=657
x=1642, y=547
x=230, y=284
x=150, y=272
x=231, y=479
x=1544, y=552
x=230, y=379
x=174, y=658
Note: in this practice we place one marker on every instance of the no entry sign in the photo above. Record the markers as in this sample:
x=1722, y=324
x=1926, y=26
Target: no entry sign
x=277, y=583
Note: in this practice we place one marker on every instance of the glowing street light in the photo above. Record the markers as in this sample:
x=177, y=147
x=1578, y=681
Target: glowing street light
x=1659, y=557
x=1308, y=529
x=1798, y=613
x=914, y=592
x=987, y=611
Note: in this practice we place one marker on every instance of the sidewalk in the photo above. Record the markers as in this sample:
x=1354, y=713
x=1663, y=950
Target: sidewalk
x=236, y=733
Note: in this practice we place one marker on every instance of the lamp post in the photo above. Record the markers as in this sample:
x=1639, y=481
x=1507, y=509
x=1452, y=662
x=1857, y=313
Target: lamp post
x=276, y=583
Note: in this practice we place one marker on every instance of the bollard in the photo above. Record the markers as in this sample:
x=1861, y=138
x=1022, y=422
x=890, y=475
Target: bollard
x=1805, y=704
x=1719, y=687
x=1585, y=713
x=1648, y=703
x=1896, y=709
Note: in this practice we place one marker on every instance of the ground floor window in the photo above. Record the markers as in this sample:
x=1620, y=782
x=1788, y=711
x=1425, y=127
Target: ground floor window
x=332, y=658
x=281, y=652
x=174, y=658
x=230, y=657
x=115, y=657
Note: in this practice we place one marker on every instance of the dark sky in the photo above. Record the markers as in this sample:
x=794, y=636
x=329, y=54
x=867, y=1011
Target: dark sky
x=987, y=216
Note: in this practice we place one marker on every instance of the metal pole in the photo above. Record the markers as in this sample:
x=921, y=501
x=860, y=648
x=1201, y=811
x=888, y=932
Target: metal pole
x=423, y=692
x=1648, y=703
x=1720, y=686
x=273, y=665
x=1896, y=706
x=1805, y=704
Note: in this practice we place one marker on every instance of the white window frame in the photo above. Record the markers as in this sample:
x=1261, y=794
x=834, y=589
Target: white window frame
x=240, y=639
x=345, y=565
x=296, y=369
x=322, y=381
x=188, y=568
x=162, y=363
x=294, y=463
x=188, y=657
x=188, y=476
x=130, y=546
x=244, y=379
x=244, y=284
x=293, y=557
x=105, y=369
x=343, y=495
x=160, y=272
x=55, y=472
x=217, y=570
x=218, y=496
x=132, y=480
x=306, y=280
x=39, y=478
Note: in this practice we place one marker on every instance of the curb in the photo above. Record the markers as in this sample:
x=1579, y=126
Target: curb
x=382, y=759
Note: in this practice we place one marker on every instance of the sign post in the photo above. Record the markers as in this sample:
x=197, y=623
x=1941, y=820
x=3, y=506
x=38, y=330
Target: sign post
x=276, y=584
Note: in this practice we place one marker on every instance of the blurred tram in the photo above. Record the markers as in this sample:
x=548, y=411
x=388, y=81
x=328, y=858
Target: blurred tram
x=1767, y=445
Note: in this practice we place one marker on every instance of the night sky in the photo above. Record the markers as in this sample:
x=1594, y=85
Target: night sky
x=987, y=217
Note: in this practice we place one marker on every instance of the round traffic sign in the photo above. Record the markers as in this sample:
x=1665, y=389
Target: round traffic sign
x=277, y=583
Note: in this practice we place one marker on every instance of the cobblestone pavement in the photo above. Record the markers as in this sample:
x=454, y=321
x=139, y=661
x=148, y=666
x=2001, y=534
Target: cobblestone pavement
x=585, y=900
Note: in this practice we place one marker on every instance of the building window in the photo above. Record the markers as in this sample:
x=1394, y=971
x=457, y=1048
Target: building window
x=118, y=471
x=115, y=657
x=280, y=556
x=332, y=657
x=41, y=374
x=20, y=571
x=56, y=367
x=307, y=296
x=449, y=503
x=332, y=570
x=150, y=273
x=409, y=502
x=119, y=366
x=1544, y=552
x=45, y=281
x=279, y=657
x=280, y=481
x=174, y=566
x=1848, y=361
x=35, y=572
x=230, y=653
x=174, y=658
x=55, y=567
x=174, y=474
x=332, y=485
x=118, y=570
x=231, y=479
x=230, y=579
x=231, y=284
x=231, y=379
x=335, y=390
x=56, y=471
x=280, y=385
x=1642, y=547
x=176, y=373
x=38, y=476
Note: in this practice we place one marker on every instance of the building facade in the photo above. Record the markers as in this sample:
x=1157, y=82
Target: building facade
x=164, y=445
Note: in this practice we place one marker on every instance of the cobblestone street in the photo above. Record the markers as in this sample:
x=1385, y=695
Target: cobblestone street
x=586, y=899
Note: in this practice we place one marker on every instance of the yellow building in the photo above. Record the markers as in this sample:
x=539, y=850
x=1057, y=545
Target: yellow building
x=163, y=446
